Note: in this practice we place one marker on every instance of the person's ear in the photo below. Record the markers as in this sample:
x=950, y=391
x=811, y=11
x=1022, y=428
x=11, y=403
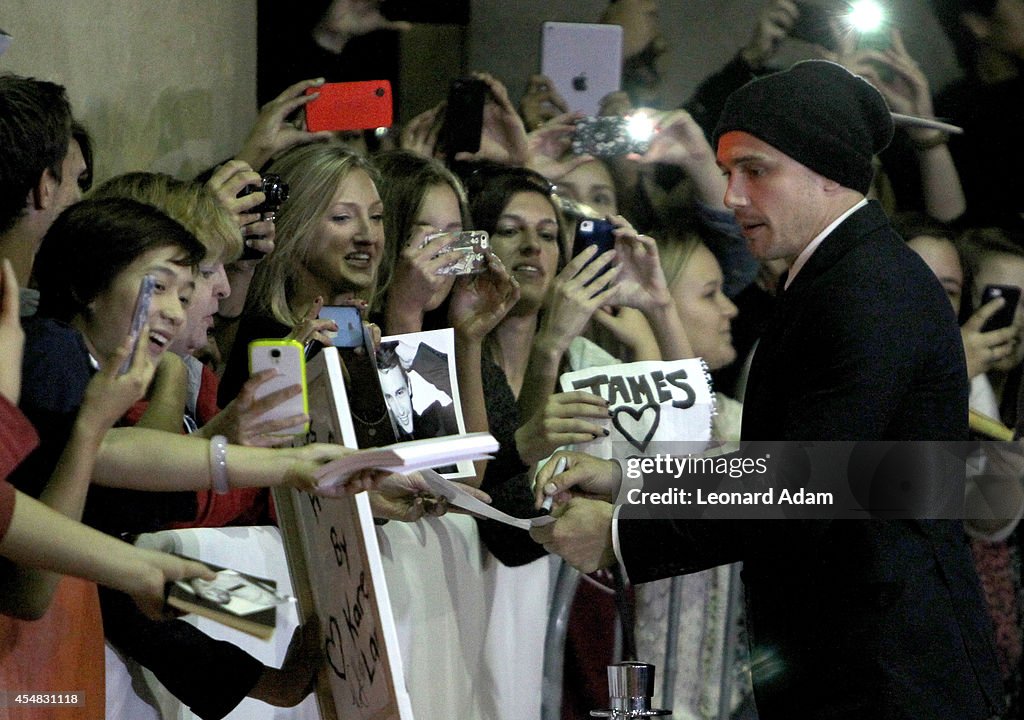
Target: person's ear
x=41, y=196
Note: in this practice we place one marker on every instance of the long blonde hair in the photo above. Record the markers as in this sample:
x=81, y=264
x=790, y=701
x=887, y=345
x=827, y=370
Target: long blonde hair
x=313, y=173
x=675, y=250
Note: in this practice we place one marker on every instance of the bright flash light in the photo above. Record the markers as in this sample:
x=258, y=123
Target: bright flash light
x=640, y=127
x=865, y=16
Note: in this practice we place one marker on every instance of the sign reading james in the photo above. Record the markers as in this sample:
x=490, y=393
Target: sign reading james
x=336, y=571
x=649, y=402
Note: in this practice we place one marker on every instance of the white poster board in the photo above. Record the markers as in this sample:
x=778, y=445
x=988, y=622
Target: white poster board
x=336, y=572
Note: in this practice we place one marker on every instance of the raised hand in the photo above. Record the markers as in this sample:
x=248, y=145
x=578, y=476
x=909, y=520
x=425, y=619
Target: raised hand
x=346, y=19
x=641, y=281
x=273, y=132
x=503, y=138
x=584, y=284
x=480, y=302
x=897, y=76
x=984, y=350
x=242, y=423
x=311, y=327
x=630, y=327
x=679, y=140
x=229, y=180
x=567, y=418
x=549, y=146
x=420, y=134
x=541, y=103
x=416, y=286
x=774, y=23
x=109, y=395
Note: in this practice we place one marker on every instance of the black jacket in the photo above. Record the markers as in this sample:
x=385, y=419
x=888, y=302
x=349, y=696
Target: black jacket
x=850, y=618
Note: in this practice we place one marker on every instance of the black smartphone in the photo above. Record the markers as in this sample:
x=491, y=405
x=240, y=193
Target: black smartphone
x=593, y=231
x=464, y=116
x=350, y=325
x=139, y=317
x=813, y=25
x=1004, y=315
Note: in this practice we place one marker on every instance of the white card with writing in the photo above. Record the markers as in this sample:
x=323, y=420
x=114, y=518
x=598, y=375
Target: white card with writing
x=649, y=402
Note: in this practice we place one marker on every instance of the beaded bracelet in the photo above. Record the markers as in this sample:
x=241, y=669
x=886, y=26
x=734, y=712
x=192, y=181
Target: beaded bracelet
x=219, y=464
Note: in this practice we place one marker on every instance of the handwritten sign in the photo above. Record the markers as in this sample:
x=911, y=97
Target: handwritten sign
x=336, y=571
x=649, y=402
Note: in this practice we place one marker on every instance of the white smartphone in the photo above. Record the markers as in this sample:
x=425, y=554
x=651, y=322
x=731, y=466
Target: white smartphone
x=288, y=358
x=583, y=60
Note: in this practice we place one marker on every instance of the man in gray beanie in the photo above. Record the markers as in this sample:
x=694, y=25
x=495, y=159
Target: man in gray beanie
x=847, y=619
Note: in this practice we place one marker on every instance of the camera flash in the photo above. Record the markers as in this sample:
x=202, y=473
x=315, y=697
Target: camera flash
x=640, y=127
x=865, y=16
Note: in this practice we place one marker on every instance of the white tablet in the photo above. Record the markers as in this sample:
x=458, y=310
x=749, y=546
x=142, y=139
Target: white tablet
x=584, y=61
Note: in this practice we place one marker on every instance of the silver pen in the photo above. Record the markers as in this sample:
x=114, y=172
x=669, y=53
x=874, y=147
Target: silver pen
x=545, y=507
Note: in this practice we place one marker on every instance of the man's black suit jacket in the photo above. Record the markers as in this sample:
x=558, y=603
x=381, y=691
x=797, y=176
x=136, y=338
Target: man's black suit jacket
x=850, y=618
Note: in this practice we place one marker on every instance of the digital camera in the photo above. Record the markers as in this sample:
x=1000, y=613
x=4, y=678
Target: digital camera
x=274, y=190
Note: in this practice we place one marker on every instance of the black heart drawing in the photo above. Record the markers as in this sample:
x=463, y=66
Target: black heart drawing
x=637, y=416
x=334, y=639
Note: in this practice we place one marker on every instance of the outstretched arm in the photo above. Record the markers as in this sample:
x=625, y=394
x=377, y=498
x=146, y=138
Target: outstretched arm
x=42, y=538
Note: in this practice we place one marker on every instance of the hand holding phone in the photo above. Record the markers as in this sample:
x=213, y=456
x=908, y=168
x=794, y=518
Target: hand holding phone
x=362, y=105
x=596, y=232
x=287, y=358
x=609, y=136
x=350, y=325
x=468, y=251
x=464, y=116
x=593, y=231
x=1003, y=317
x=139, y=317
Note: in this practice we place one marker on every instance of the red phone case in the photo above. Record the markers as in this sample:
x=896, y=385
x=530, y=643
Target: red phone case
x=362, y=105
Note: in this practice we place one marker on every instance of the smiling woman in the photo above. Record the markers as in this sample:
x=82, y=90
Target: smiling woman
x=329, y=245
x=195, y=207
x=330, y=234
x=91, y=264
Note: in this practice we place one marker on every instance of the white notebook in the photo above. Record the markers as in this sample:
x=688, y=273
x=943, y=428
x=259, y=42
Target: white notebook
x=406, y=457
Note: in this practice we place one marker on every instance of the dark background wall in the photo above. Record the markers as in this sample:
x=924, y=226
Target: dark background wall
x=172, y=85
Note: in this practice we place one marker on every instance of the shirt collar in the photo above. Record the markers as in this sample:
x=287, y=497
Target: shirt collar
x=806, y=253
